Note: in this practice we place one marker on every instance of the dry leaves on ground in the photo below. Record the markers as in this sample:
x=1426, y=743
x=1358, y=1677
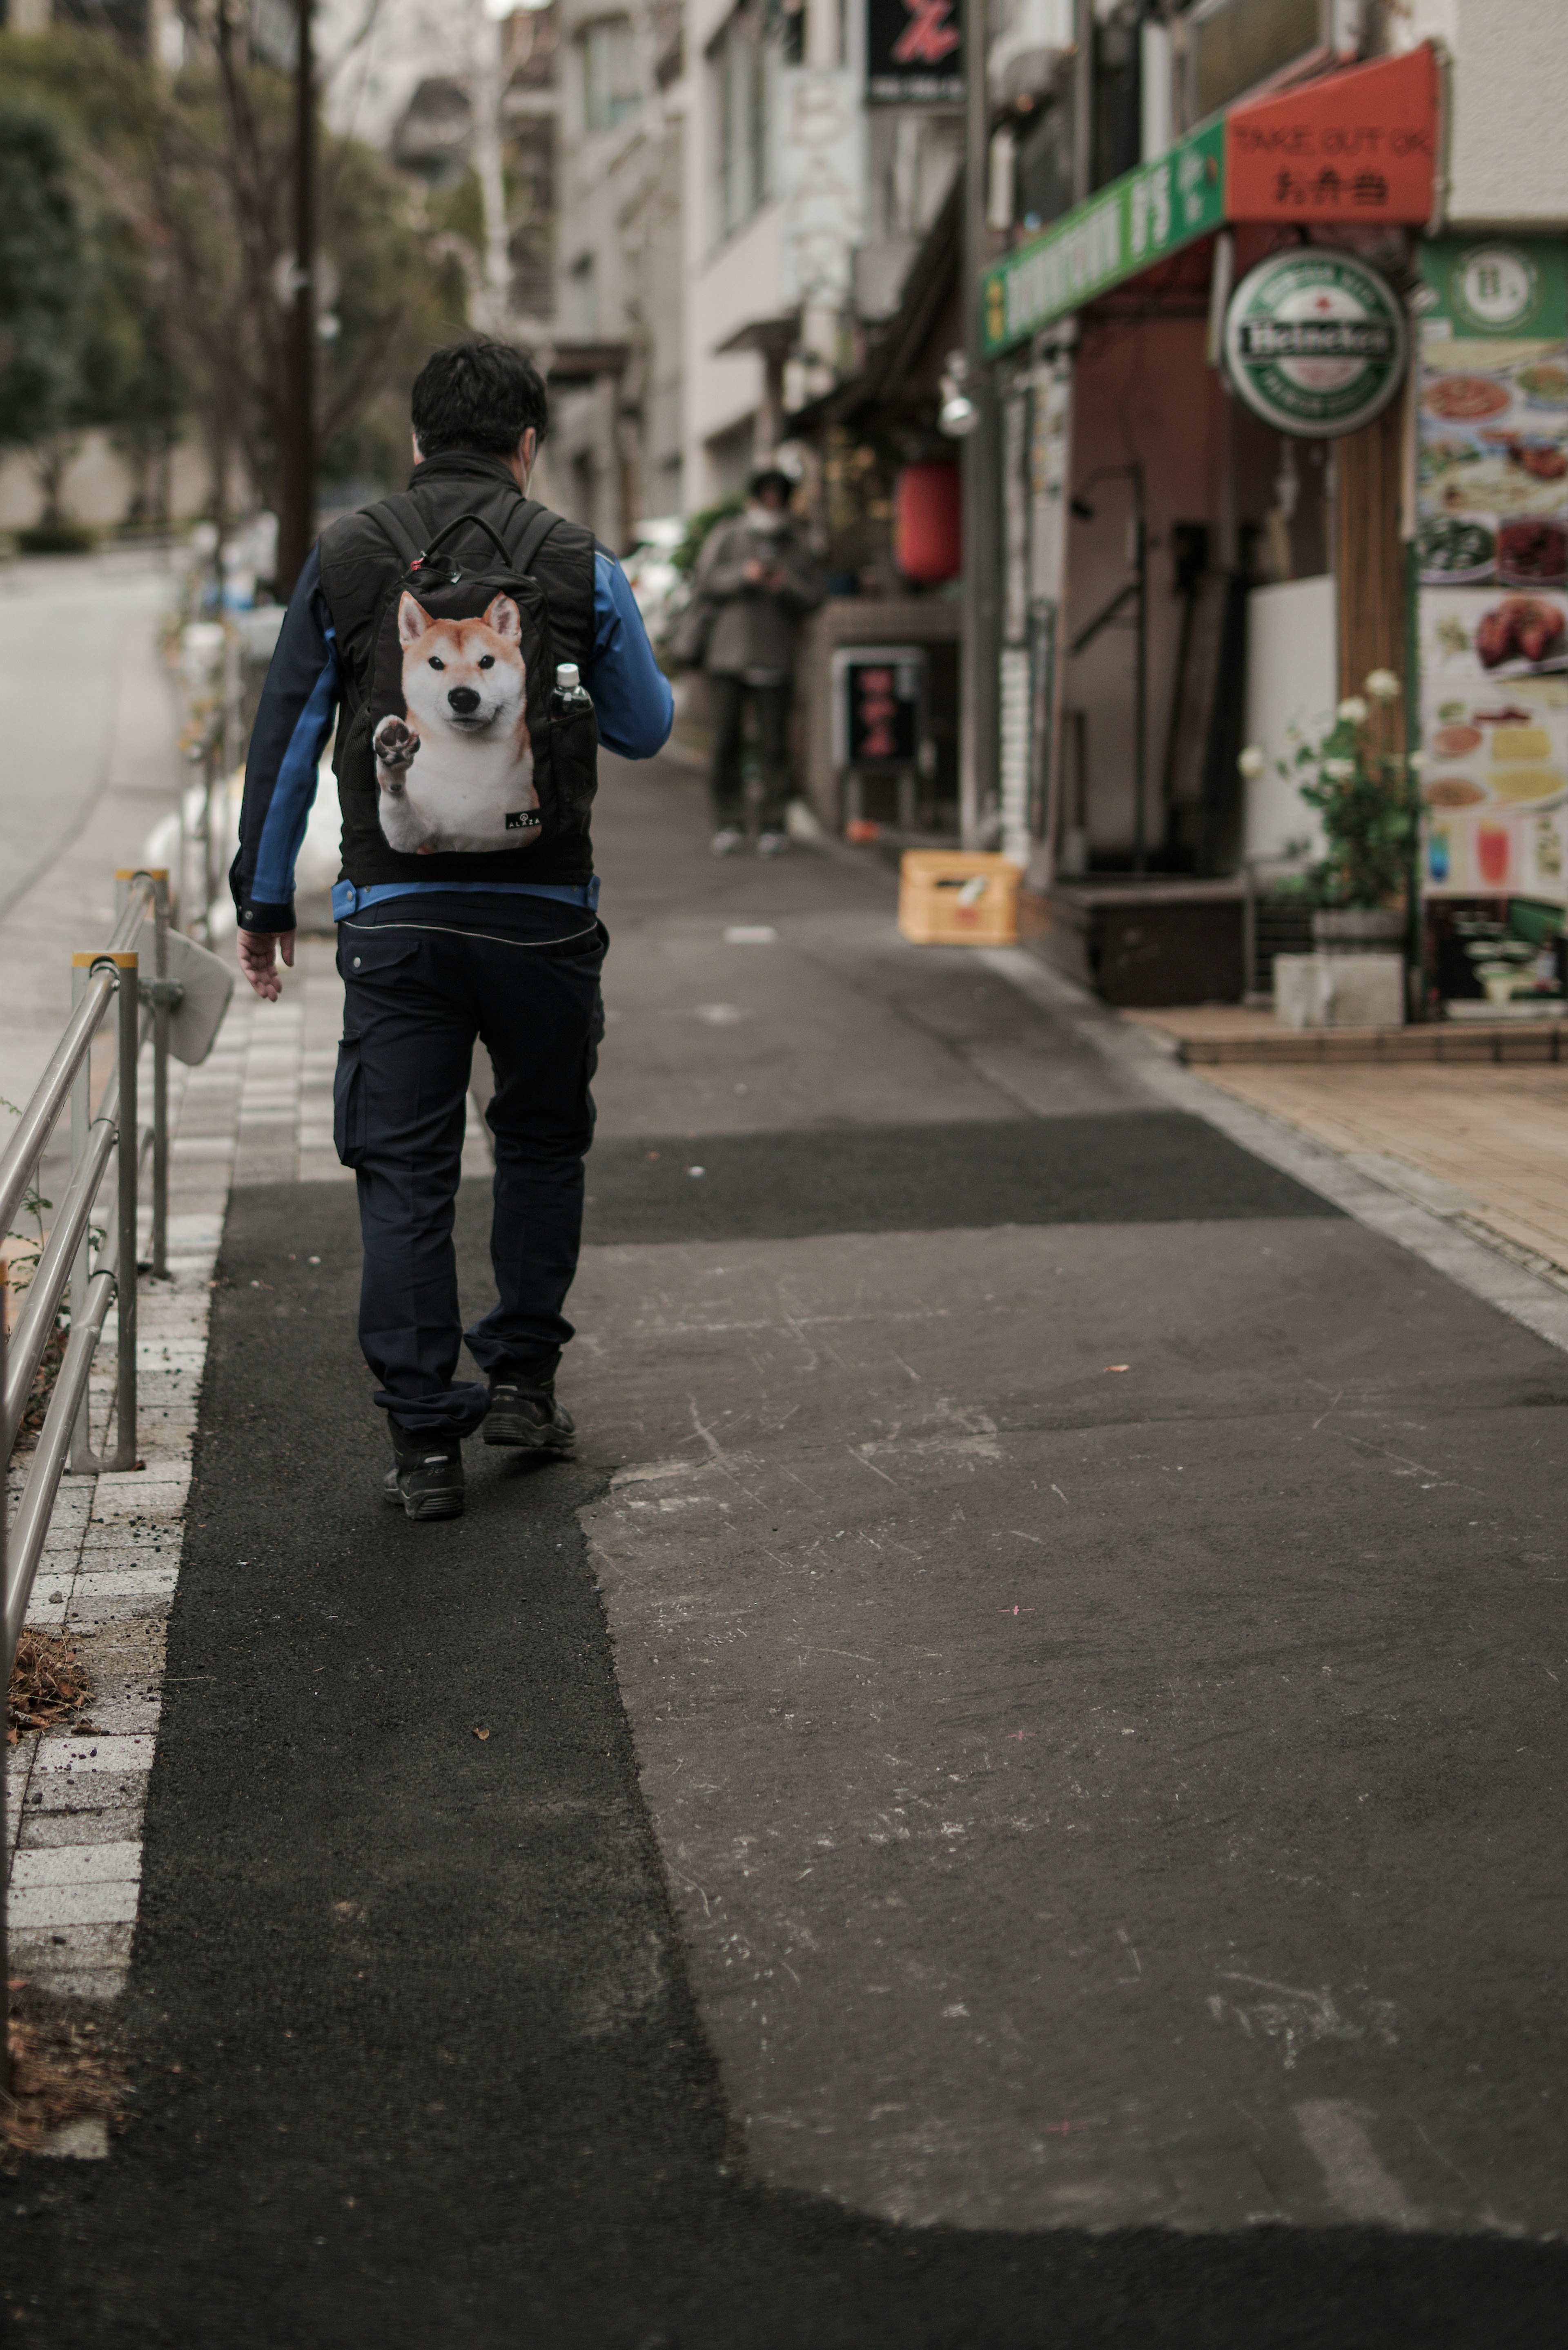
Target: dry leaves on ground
x=62, y=2069
x=49, y=1686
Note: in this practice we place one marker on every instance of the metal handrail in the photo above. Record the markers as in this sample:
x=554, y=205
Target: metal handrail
x=38, y=1119
x=36, y=1321
x=143, y=896
x=31, y=1527
x=111, y=974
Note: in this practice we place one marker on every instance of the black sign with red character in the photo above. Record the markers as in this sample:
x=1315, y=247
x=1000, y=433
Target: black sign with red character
x=914, y=52
x=884, y=713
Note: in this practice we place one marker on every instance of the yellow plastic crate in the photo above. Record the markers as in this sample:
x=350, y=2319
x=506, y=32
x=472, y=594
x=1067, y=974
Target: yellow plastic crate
x=958, y=897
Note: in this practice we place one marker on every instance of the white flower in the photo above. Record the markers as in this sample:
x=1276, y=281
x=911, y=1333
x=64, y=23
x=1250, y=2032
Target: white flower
x=1252, y=763
x=1354, y=709
x=1382, y=685
x=1341, y=770
x=1415, y=762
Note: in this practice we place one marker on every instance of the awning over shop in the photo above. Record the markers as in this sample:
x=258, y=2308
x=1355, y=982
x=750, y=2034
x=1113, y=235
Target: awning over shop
x=1358, y=146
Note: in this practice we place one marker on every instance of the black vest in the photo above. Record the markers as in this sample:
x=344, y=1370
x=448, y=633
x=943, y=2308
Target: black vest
x=358, y=567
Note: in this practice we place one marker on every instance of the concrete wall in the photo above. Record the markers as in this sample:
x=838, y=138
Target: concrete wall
x=1508, y=151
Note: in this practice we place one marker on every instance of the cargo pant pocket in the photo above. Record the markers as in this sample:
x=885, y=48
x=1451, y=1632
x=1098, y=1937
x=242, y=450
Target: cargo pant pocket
x=349, y=1102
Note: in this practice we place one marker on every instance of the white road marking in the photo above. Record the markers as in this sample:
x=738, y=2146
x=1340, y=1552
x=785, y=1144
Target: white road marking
x=1356, y=2179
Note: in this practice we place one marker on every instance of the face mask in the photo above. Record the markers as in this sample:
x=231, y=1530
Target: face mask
x=763, y=518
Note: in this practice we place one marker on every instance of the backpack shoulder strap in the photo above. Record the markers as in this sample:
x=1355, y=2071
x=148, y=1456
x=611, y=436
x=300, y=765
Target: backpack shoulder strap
x=522, y=544
x=398, y=519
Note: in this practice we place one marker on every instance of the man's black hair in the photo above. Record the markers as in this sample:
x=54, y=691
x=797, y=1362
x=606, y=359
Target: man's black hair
x=479, y=395
x=769, y=477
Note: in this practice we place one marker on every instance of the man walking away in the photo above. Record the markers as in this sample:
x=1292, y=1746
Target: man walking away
x=468, y=903
x=760, y=574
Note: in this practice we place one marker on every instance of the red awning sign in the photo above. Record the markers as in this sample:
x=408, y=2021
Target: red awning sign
x=1356, y=146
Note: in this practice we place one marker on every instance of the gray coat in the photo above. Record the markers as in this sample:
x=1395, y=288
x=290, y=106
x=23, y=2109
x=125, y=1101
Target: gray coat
x=754, y=628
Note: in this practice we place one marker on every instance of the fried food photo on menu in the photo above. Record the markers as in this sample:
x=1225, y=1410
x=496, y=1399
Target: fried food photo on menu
x=1522, y=628
x=1532, y=553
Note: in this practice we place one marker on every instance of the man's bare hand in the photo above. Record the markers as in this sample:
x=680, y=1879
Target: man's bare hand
x=753, y=571
x=258, y=951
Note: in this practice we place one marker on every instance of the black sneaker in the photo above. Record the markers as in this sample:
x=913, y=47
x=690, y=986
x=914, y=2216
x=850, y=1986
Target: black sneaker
x=524, y=1413
x=428, y=1478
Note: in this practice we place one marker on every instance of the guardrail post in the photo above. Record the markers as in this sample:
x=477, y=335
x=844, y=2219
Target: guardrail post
x=82, y=1463
x=161, y=1007
x=130, y=1159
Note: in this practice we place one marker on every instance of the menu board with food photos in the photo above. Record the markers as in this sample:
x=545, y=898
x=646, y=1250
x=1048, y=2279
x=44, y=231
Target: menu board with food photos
x=1492, y=552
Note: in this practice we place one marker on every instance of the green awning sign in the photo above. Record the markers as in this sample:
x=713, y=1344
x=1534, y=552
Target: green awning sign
x=1138, y=220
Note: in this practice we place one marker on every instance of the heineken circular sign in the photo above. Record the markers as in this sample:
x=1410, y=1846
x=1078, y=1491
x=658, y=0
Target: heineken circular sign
x=1315, y=342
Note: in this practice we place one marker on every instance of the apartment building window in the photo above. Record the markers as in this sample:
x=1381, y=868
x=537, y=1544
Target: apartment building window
x=585, y=295
x=608, y=63
x=740, y=79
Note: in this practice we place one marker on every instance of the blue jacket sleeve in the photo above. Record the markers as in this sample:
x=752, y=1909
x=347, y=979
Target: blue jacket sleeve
x=632, y=698
x=292, y=726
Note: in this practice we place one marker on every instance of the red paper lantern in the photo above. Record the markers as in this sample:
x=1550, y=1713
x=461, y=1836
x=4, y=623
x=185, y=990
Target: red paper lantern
x=927, y=524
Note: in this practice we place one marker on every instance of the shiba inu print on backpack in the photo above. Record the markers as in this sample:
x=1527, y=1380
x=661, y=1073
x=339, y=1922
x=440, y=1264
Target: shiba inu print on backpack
x=459, y=708
x=466, y=722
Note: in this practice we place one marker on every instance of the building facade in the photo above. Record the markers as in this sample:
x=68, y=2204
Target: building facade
x=1198, y=548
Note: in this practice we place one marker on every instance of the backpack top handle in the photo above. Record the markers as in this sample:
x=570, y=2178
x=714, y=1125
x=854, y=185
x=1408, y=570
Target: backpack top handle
x=496, y=541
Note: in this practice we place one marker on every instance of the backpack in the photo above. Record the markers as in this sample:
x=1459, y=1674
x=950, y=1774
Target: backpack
x=469, y=758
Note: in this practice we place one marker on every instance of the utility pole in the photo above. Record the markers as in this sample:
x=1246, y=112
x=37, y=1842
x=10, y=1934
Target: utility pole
x=980, y=691
x=296, y=523
x=486, y=92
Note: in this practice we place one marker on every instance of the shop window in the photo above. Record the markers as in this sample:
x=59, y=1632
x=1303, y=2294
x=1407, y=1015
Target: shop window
x=1044, y=182
x=1118, y=114
x=1232, y=46
x=611, y=93
x=739, y=90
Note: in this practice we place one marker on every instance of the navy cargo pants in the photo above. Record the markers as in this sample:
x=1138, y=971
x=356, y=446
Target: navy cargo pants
x=423, y=976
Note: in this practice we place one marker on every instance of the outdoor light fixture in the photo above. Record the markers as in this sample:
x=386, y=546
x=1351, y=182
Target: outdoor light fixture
x=958, y=415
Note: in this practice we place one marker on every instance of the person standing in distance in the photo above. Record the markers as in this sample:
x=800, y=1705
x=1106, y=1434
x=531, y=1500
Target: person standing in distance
x=759, y=576
x=439, y=945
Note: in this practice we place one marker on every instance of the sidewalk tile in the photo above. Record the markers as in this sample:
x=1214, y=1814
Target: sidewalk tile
x=64, y=1755
x=79, y=1865
x=71, y=1947
x=33, y=1907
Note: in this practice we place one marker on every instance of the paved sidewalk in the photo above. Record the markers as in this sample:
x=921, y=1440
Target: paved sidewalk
x=1489, y=1145
x=258, y=1111
x=1002, y=1798
x=1479, y=1141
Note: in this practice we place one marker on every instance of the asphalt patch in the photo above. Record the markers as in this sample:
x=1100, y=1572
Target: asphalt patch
x=413, y=2054
x=1112, y=1167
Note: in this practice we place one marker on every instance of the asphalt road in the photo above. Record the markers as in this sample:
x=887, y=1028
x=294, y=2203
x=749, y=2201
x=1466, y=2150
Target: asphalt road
x=61, y=622
x=1022, y=1798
